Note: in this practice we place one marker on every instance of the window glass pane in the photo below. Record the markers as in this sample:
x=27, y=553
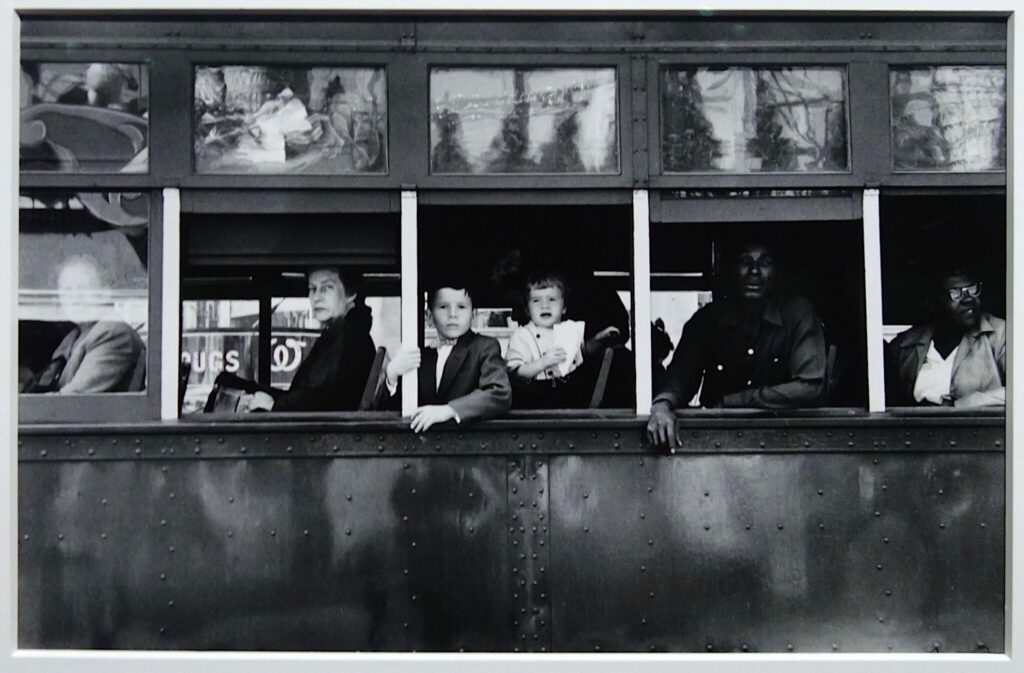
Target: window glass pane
x=754, y=120
x=274, y=120
x=949, y=118
x=82, y=292
x=84, y=117
x=504, y=120
x=217, y=335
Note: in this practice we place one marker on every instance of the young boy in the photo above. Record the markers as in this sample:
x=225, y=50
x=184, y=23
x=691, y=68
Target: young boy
x=463, y=378
x=543, y=354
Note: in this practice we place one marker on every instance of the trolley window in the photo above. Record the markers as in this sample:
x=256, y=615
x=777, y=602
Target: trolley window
x=948, y=118
x=944, y=299
x=524, y=120
x=255, y=119
x=84, y=117
x=544, y=278
x=84, y=313
x=758, y=314
x=253, y=314
x=754, y=120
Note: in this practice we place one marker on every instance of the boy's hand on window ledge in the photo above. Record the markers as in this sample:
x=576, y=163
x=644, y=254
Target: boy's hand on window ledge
x=431, y=414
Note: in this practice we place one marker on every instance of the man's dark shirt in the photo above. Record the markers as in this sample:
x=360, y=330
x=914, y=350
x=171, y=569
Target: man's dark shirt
x=334, y=373
x=781, y=367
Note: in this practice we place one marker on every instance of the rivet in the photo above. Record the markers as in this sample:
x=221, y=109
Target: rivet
x=67, y=442
x=413, y=543
x=906, y=443
x=472, y=529
x=586, y=495
x=163, y=469
x=405, y=571
x=162, y=630
x=586, y=529
x=273, y=533
x=405, y=466
x=103, y=501
x=349, y=532
x=760, y=444
x=170, y=550
x=879, y=566
x=231, y=499
x=616, y=445
x=60, y=536
x=170, y=496
x=405, y=625
x=91, y=451
x=941, y=492
x=43, y=453
x=739, y=434
x=515, y=490
x=821, y=492
x=138, y=452
x=170, y=604
x=197, y=440
x=747, y=526
x=541, y=543
x=163, y=522
x=334, y=448
x=414, y=596
x=789, y=646
x=885, y=487
x=888, y=592
x=718, y=445
x=982, y=524
x=744, y=647
x=643, y=569
x=806, y=444
x=650, y=543
x=878, y=514
x=942, y=524
x=230, y=534
x=642, y=515
x=849, y=444
x=380, y=447
x=348, y=497
x=405, y=518
x=163, y=577
x=885, y=540
x=103, y=536
x=650, y=489
x=533, y=446
x=781, y=526
x=998, y=443
x=413, y=491
x=220, y=440
x=641, y=462
x=835, y=646
x=821, y=526
x=707, y=493
x=243, y=449
x=196, y=450
x=707, y=527
x=710, y=647
x=875, y=461
x=881, y=620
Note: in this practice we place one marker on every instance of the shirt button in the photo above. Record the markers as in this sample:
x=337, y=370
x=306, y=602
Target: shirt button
x=750, y=351
x=775, y=359
x=720, y=368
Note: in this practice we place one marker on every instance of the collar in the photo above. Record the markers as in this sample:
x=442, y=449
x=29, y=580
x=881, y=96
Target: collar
x=772, y=311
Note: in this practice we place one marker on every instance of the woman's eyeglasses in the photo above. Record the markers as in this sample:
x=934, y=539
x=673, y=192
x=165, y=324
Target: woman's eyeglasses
x=958, y=293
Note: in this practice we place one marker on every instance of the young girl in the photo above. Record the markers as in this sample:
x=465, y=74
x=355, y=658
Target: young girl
x=543, y=354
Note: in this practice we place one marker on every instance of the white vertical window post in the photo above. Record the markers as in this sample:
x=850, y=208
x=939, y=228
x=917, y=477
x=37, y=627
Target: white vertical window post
x=411, y=315
x=642, y=299
x=873, y=300
x=170, y=333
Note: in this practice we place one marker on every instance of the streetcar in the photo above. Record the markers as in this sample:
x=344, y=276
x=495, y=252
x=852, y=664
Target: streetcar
x=206, y=162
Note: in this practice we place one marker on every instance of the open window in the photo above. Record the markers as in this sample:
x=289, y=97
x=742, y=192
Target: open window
x=247, y=309
x=817, y=291
x=944, y=271
x=581, y=252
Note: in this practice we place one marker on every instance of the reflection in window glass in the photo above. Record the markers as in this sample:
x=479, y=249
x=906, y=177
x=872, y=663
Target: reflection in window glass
x=259, y=119
x=949, y=118
x=503, y=120
x=84, y=117
x=754, y=120
x=82, y=292
x=218, y=335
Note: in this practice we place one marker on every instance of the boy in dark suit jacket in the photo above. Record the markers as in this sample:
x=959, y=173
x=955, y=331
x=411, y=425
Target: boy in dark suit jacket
x=464, y=378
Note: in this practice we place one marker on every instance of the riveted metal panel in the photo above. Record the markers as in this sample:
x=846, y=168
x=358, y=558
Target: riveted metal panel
x=344, y=554
x=529, y=553
x=776, y=553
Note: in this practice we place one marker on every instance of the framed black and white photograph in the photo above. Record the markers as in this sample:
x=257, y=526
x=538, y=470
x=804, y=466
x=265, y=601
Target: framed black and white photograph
x=525, y=337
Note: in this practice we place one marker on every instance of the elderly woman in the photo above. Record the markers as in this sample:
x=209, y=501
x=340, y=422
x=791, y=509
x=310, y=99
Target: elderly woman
x=334, y=372
x=956, y=359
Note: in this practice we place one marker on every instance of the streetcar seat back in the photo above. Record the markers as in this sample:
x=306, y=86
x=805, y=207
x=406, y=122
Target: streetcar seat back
x=375, y=380
x=602, y=378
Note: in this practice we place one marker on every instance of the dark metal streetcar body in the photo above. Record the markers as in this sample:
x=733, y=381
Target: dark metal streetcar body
x=825, y=530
